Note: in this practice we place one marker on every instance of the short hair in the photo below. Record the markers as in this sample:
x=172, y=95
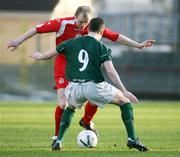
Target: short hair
x=96, y=25
x=81, y=9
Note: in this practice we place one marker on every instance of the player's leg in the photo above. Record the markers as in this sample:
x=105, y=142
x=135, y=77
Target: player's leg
x=128, y=120
x=126, y=113
x=57, y=115
x=104, y=93
x=61, y=84
x=75, y=100
x=89, y=112
x=86, y=121
x=64, y=125
x=61, y=105
x=59, y=111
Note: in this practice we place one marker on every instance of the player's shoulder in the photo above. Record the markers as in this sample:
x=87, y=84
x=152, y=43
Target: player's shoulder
x=66, y=20
x=101, y=44
x=55, y=20
x=104, y=47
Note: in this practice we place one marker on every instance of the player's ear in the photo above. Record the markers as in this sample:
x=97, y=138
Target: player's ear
x=102, y=31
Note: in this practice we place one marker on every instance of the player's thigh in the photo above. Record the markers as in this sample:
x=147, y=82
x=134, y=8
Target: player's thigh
x=75, y=95
x=99, y=93
x=61, y=84
x=119, y=98
x=62, y=100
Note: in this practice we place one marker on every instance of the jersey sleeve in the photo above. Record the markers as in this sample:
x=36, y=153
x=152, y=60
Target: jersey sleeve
x=61, y=47
x=48, y=26
x=110, y=34
x=105, y=54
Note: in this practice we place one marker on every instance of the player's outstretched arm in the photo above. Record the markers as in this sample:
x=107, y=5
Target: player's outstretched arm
x=48, y=55
x=14, y=44
x=129, y=42
x=114, y=77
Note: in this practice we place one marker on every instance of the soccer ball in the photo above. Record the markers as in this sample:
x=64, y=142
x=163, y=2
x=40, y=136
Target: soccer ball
x=87, y=138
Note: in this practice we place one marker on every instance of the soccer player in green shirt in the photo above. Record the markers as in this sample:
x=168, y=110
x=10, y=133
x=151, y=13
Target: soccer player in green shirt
x=85, y=57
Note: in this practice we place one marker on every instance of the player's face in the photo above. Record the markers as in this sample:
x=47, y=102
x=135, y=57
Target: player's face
x=83, y=20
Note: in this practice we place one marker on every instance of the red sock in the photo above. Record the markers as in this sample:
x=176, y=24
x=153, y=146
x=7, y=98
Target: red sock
x=58, y=115
x=90, y=111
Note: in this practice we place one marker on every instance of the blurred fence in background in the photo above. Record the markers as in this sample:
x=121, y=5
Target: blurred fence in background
x=142, y=26
x=155, y=76
x=147, y=75
x=16, y=78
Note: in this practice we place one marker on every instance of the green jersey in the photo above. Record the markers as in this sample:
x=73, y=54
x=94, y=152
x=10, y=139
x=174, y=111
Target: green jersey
x=84, y=56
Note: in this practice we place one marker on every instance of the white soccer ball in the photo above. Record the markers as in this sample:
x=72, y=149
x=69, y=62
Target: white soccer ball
x=87, y=138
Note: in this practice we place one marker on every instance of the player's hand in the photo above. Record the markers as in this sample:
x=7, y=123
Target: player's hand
x=146, y=43
x=36, y=55
x=13, y=45
x=130, y=96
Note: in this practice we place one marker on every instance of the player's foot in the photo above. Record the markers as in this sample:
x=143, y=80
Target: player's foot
x=57, y=145
x=137, y=145
x=54, y=139
x=89, y=127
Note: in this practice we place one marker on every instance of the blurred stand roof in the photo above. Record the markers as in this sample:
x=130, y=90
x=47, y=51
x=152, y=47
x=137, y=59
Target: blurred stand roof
x=27, y=5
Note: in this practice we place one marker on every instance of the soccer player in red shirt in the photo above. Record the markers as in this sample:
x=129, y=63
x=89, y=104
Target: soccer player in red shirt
x=67, y=28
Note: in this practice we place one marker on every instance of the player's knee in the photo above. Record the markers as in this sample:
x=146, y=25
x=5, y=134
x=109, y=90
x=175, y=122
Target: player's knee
x=62, y=104
x=121, y=99
x=124, y=101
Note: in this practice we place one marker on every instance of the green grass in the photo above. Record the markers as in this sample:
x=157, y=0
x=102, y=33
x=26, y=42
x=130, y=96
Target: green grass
x=26, y=129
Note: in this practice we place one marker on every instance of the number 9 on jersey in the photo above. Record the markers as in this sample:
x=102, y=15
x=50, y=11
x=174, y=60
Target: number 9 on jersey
x=83, y=58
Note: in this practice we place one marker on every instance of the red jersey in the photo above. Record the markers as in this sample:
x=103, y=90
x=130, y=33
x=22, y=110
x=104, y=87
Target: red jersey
x=65, y=29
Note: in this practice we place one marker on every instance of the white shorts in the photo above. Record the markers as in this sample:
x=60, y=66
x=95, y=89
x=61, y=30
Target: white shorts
x=97, y=93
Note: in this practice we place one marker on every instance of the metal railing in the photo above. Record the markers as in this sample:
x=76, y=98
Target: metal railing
x=141, y=26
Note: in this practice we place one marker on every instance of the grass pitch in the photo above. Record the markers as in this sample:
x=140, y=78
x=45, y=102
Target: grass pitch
x=26, y=129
